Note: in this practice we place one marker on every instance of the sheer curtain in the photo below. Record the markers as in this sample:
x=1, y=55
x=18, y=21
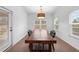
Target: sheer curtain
x=40, y=34
x=43, y=34
x=36, y=34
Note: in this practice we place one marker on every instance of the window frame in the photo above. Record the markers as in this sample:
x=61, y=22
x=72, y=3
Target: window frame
x=71, y=19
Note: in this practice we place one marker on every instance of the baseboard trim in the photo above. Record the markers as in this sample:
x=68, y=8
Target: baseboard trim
x=67, y=42
x=7, y=45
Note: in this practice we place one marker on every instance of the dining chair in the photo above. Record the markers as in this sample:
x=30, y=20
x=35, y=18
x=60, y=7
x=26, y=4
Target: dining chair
x=53, y=33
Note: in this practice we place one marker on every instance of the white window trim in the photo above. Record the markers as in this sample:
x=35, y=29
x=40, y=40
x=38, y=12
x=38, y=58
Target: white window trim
x=73, y=14
x=72, y=35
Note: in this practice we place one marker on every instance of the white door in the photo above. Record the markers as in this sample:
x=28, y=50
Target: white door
x=5, y=24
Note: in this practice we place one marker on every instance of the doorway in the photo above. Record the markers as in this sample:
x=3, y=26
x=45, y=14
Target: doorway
x=5, y=28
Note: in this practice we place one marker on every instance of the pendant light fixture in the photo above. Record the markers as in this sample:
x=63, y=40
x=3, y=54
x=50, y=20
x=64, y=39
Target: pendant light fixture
x=41, y=14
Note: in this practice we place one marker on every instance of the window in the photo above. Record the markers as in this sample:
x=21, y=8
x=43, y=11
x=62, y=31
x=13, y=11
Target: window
x=75, y=27
x=40, y=24
x=3, y=25
x=74, y=22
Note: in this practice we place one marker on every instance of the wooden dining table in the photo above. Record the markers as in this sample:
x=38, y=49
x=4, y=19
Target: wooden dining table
x=49, y=40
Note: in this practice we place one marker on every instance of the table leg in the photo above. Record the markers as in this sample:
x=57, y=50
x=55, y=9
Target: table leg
x=50, y=49
x=31, y=47
x=53, y=47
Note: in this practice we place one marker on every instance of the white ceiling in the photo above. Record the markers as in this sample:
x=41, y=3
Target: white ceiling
x=34, y=9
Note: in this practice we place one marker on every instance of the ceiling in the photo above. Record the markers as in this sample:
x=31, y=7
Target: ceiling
x=34, y=9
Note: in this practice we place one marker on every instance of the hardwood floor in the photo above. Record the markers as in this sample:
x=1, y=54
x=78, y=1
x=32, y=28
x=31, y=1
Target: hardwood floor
x=61, y=46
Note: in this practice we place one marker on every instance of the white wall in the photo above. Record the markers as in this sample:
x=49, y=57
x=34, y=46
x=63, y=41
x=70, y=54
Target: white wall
x=32, y=18
x=50, y=20
x=19, y=25
x=64, y=28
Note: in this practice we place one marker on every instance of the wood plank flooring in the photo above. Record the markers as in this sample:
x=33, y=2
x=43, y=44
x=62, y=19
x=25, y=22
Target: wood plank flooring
x=61, y=46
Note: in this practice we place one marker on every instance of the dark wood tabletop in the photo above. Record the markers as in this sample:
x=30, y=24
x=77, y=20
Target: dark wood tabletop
x=49, y=39
x=45, y=40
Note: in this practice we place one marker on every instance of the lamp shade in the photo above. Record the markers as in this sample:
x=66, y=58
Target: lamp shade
x=41, y=14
